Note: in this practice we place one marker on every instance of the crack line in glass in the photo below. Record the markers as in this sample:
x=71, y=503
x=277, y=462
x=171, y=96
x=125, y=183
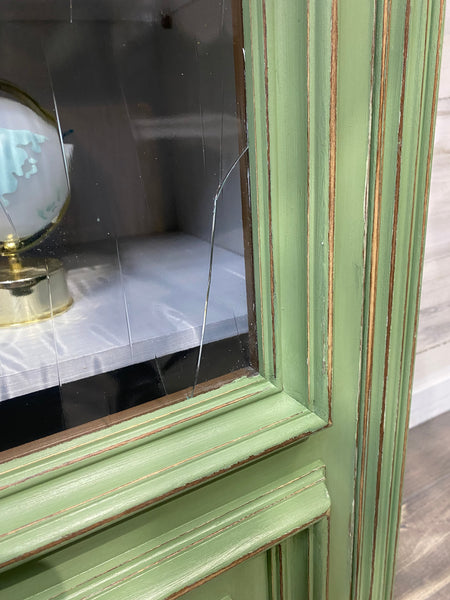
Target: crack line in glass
x=58, y=122
x=211, y=256
x=52, y=321
x=125, y=302
x=158, y=368
x=10, y=221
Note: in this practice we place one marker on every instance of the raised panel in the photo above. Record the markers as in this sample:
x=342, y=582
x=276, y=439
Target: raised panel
x=187, y=541
x=248, y=580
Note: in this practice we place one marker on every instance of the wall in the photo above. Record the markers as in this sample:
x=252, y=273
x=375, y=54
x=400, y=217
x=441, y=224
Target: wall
x=431, y=390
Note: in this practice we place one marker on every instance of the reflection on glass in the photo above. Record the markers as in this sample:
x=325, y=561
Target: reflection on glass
x=156, y=239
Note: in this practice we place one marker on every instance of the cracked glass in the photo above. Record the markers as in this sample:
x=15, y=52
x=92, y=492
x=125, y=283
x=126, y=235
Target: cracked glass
x=126, y=268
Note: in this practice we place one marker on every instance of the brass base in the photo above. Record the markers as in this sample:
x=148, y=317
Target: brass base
x=31, y=290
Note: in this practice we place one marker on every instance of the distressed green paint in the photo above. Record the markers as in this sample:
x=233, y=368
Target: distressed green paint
x=259, y=181
x=295, y=566
x=337, y=444
x=193, y=535
x=402, y=190
x=116, y=482
x=246, y=580
x=289, y=172
x=319, y=156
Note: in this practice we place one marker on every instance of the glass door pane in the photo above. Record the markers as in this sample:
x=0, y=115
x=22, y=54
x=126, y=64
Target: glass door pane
x=124, y=208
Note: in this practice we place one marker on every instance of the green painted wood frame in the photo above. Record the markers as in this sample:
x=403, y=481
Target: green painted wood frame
x=406, y=66
x=69, y=490
x=340, y=151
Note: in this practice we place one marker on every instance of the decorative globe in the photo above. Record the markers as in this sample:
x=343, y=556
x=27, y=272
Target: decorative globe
x=34, y=182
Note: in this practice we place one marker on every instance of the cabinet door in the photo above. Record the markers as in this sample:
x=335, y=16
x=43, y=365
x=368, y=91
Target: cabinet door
x=285, y=484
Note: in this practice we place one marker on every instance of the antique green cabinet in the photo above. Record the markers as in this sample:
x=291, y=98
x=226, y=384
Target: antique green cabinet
x=285, y=483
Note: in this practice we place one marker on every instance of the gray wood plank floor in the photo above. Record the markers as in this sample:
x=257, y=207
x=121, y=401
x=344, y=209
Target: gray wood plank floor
x=423, y=554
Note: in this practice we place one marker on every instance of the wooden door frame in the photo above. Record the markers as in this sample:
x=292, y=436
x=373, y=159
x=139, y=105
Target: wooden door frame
x=406, y=67
x=104, y=476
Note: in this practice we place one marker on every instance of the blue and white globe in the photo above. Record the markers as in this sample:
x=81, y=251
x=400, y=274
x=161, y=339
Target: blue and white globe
x=34, y=183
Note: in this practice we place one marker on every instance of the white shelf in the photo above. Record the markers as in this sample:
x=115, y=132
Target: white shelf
x=133, y=300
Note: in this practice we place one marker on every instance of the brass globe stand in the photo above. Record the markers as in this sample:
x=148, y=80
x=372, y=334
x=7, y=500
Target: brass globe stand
x=31, y=289
x=34, y=194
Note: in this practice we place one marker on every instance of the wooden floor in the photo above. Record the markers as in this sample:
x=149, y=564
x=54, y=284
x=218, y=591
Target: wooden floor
x=423, y=557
